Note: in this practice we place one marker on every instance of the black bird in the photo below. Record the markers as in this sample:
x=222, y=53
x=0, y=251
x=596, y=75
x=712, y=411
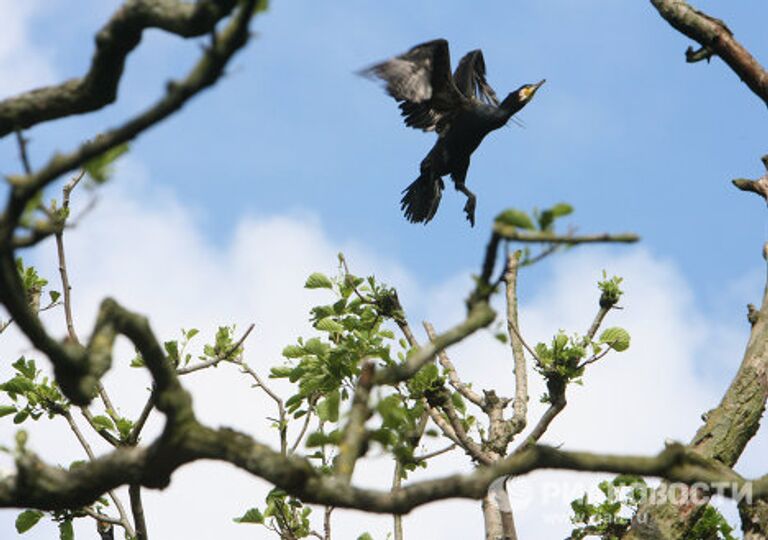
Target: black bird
x=462, y=108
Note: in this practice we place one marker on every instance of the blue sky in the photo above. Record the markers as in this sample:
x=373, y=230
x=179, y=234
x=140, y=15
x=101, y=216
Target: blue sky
x=292, y=144
x=624, y=130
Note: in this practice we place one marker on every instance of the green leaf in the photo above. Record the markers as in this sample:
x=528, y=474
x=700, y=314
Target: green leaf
x=27, y=519
x=329, y=325
x=561, y=209
x=20, y=416
x=103, y=422
x=458, y=402
x=318, y=281
x=5, y=410
x=66, y=532
x=189, y=334
x=17, y=385
x=328, y=409
x=100, y=168
x=293, y=351
x=280, y=372
x=316, y=347
x=172, y=350
x=252, y=515
x=515, y=218
x=137, y=361
x=318, y=438
x=55, y=295
x=616, y=338
x=365, y=536
x=124, y=426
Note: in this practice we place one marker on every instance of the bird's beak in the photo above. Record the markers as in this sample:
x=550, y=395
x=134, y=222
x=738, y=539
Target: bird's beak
x=534, y=87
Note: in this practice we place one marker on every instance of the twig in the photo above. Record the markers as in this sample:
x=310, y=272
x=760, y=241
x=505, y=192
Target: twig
x=436, y=453
x=133, y=437
x=220, y=358
x=67, y=296
x=66, y=287
x=5, y=324
x=520, y=403
x=124, y=521
x=546, y=252
x=472, y=448
x=596, y=357
x=525, y=345
x=102, y=517
x=442, y=423
x=541, y=427
x=137, y=508
x=283, y=428
x=484, y=288
x=397, y=519
x=22, y=142
x=511, y=233
x=453, y=376
x=102, y=432
x=480, y=316
x=303, y=431
x=598, y=320
x=327, y=522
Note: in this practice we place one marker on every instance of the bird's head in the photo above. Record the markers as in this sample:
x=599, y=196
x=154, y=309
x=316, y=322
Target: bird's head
x=520, y=97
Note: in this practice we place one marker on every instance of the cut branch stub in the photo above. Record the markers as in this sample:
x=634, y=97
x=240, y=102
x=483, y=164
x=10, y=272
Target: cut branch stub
x=759, y=186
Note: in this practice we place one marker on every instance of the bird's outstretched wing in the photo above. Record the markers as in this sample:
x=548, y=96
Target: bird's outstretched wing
x=470, y=79
x=421, y=81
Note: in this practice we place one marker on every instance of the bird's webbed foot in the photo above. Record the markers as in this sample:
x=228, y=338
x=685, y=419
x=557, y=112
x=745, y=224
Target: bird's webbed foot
x=469, y=209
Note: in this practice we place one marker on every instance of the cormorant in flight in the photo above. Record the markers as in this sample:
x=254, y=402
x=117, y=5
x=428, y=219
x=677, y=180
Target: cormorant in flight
x=462, y=108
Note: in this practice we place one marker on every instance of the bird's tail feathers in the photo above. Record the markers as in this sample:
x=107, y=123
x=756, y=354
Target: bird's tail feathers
x=422, y=198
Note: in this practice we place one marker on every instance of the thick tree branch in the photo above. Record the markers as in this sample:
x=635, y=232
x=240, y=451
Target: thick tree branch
x=726, y=431
x=114, y=42
x=716, y=38
x=754, y=519
x=37, y=485
x=350, y=449
x=204, y=74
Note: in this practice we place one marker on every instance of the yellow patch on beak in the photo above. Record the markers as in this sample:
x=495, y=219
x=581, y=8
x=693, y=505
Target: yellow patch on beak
x=530, y=90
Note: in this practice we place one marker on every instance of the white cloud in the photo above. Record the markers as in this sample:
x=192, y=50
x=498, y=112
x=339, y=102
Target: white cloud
x=142, y=246
x=23, y=65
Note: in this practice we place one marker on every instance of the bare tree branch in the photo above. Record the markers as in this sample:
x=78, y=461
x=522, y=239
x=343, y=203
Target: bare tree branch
x=114, y=42
x=715, y=38
x=514, y=234
x=37, y=485
x=480, y=316
x=354, y=440
x=76, y=372
x=520, y=404
x=726, y=430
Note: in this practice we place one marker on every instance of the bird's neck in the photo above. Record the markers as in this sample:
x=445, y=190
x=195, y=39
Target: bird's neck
x=511, y=105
